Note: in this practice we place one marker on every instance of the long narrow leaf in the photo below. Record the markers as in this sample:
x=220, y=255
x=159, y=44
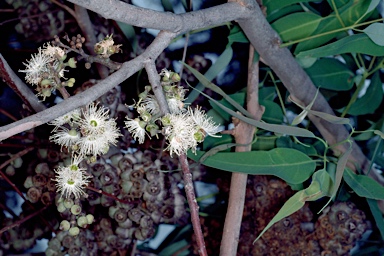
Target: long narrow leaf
x=217, y=89
x=219, y=65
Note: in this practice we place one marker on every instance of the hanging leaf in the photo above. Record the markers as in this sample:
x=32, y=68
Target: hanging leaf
x=320, y=186
x=371, y=100
x=220, y=64
x=297, y=25
x=331, y=74
x=363, y=185
x=288, y=164
x=359, y=43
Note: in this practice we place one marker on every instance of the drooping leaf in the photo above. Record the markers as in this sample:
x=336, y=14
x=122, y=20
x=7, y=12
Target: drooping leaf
x=296, y=25
x=272, y=16
x=286, y=142
x=372, y=6
x=359, y=43
x=331, y=74
x=380, y=133
x=377, y=214
x=340, y=167
x=220, y=64
x=320, y=186
x=288, y=164
x=272, y=114
x=292, y=205
x=371, y=100
x=363, y=185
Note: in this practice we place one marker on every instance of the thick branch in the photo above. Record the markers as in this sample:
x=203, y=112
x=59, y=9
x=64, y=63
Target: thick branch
x=243, y=134
x=178, y=23
x=127, y=69
x=267, y=43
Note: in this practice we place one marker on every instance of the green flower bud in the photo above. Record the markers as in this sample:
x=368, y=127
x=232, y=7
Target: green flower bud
x=46, y=92
x=175, y=77
x=65, y=225
x=28, y=182
x=199, y=136
x=10, y=170
x=68, y=203
x=90, y=218
x=17, y=162
x=73, y=231
x=76, y=209
x=72, y=62
x=45, y=82
x=152, y=128
x=82, y=222
x=61, y=207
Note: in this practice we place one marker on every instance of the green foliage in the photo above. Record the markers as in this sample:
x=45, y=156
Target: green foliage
x=288, y=164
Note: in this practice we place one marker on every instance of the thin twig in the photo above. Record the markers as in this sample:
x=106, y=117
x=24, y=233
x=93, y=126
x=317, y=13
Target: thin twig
x=194, y=207
x=243, y=134
x=154, y=79
x=19, y=222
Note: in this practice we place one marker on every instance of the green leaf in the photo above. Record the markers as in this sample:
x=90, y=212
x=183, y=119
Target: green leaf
x=371, y=100
x=375, y=31
x=292, y=205
x=363, y=185
x=220, y=64
x=320, y=186
x=297, y=25
x=340, y=167
x=372, y=6
x=210, y=142
x=349, y=13
x=331, y=74
x=377, y=132
x=288, y=164
x=236, y=35
x=359, y=43
x=378, y=216
x=129, y=33
x=272, y=114
x=273, y=5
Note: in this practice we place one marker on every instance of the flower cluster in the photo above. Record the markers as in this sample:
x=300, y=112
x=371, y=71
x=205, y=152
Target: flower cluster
x=107, y=47
x=88, y=132
x=71, y=179
x=183, y=127
x=46, y=68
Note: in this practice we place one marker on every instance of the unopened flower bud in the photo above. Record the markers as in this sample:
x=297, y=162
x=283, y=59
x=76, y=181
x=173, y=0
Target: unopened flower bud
x=90, y=218
x=65, y=225
x=68, y=203
x=73, y=231
x=82, y=222
x=72, y=62
x=76, y=209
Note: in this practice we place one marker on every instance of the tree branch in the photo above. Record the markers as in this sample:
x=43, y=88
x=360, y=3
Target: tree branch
x=267, y=43
x=178, y=23
x=127, y=69
x=243, y=134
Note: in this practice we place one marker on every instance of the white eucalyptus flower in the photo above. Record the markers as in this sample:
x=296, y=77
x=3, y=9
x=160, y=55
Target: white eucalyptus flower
x=137, y=128
x=66, y=119
x=72, y=179
x=204, y=122
x=95, y=119
x=180, y=134
x=53, y=51
x=65, y=137
x=36, y=67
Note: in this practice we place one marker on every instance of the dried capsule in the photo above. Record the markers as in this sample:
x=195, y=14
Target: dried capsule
x=120, y=215
x=33, y=194
x=135, y=215
x=67, y=241
x=39, y=180
x=47, y=198
x=73, y=231
x=108, y=177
